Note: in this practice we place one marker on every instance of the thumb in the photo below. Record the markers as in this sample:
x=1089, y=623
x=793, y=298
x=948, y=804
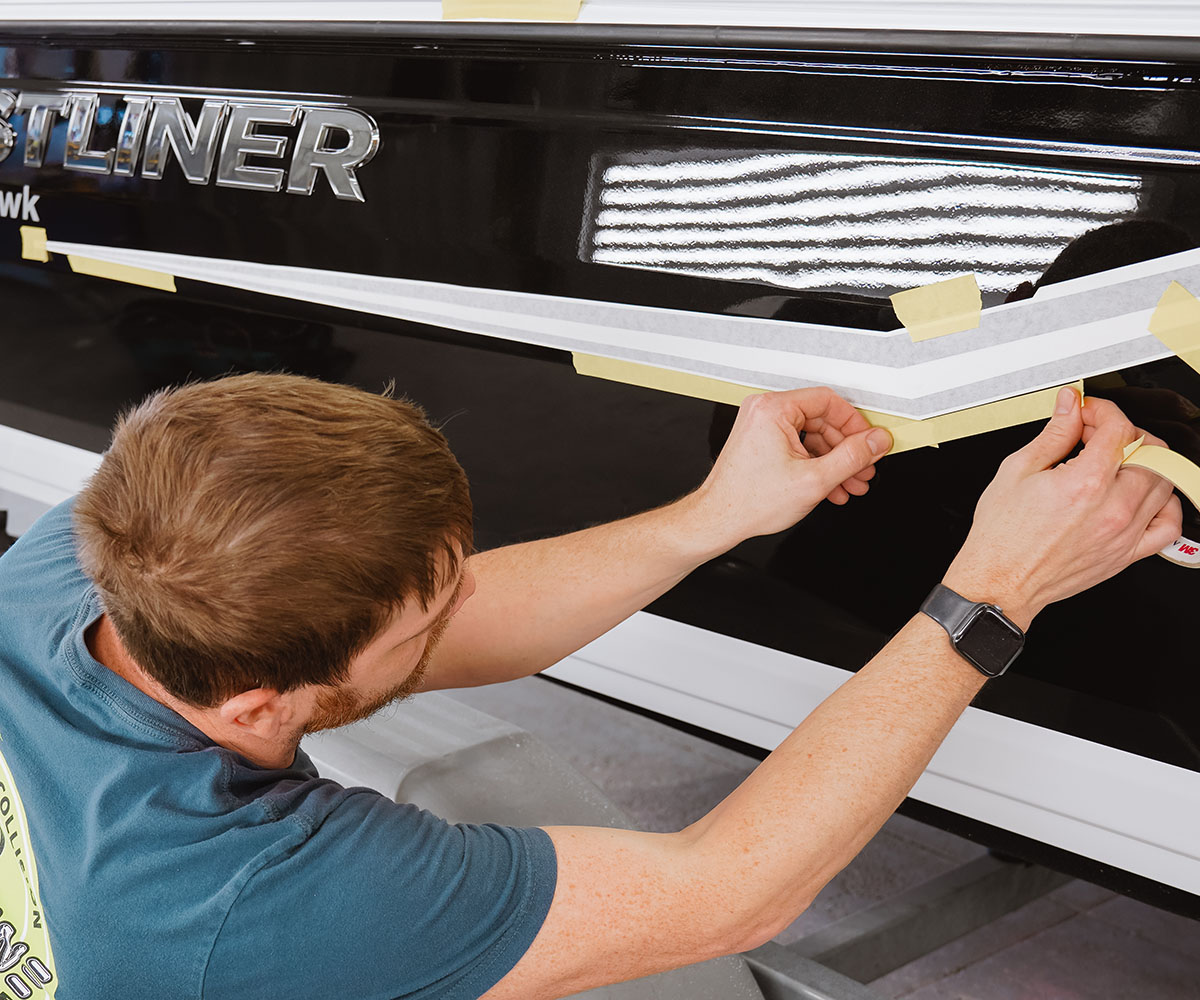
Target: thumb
x=851, y=456
x=1057, y=439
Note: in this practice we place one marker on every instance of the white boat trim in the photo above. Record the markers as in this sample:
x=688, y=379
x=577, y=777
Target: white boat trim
x=1115, y=807
x=1099, y=17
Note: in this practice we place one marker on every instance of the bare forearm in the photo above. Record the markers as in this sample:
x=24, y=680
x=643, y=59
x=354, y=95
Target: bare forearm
x=811, y=806
x=537, y=602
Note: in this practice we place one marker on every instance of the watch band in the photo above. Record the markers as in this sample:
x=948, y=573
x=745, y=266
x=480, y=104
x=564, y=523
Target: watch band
x=980, y=633
x=948, y=609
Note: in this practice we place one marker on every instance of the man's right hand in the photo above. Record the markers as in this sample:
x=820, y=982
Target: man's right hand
x=1046, y=529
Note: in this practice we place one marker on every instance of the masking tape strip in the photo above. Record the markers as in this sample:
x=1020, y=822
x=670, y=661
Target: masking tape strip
x=1176, y=322
x=33, y=244
x=906, y=434
x=940, y=308
x=122, y=272
x=652, y=377
x=512, y=10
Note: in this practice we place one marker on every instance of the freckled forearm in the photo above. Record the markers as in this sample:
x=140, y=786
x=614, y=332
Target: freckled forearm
x=537, y=602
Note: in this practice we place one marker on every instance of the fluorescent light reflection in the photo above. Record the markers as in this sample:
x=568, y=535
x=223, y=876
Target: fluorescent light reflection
x=849, y=223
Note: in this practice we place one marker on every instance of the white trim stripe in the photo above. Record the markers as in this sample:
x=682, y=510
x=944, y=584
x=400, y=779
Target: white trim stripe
x=1018, y=348
x=1118, y=808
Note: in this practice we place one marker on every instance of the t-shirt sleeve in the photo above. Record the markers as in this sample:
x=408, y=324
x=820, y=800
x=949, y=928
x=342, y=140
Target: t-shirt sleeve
x=382, y=901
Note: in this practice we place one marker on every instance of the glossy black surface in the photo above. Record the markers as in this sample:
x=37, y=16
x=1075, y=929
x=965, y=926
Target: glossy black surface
x=497, y=163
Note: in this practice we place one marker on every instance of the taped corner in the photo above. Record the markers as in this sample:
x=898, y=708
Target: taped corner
x=908, y=434
x=940, y=308
x=512, y=10
x=33, y=244
x=1176, y=322
x=122, y=272
x=663, y=379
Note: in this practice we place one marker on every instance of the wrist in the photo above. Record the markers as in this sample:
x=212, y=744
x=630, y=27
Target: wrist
x=982, y=588
x=707, y=524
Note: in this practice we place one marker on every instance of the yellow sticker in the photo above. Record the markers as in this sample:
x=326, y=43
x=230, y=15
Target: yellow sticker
x=940, y=308
x=26, y=962
x=122, y=272
x=33, y=244
x=512, y=10
x=1176, y=322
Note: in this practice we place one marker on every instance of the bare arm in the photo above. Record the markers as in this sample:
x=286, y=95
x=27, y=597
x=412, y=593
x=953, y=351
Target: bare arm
x=629, y=904
x=536, y=602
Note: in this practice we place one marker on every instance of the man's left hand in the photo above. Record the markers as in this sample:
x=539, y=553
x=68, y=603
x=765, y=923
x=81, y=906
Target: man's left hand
x=766, y=479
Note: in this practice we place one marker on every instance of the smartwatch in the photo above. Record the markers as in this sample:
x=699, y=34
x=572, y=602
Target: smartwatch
x=980, y=633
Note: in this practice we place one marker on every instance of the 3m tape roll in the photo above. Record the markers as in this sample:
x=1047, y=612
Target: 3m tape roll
x=940, y=308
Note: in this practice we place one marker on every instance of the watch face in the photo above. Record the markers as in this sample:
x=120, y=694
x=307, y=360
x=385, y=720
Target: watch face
x=989, y=641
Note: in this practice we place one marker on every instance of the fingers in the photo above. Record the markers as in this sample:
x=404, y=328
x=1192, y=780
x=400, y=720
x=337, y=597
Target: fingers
x=1164, y=528
x=850, y=458
x=1057, y=439
x=1111, y=431
x=816, y=410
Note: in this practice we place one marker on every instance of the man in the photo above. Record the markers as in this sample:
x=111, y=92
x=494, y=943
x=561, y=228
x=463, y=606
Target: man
x=262, y=556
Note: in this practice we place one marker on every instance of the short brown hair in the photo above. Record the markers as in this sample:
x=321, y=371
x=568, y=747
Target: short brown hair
x=260, y=530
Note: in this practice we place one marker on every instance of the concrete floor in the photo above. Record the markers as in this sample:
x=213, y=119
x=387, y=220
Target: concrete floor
x=1078, y=942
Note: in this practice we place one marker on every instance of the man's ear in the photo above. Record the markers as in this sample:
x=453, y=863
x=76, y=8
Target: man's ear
x=261, y=712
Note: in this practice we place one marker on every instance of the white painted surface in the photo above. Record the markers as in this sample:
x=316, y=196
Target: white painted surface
x=1180, y=17
x=40, y=469
x=1115, y=807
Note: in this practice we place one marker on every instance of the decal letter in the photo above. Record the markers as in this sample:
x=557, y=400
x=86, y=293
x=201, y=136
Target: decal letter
x=79, y=155
x=10, y=204
x=241, y=140
x=313, y=153
x=129, y=139
x=194, y=143
x=29, y=212
x=39, y=108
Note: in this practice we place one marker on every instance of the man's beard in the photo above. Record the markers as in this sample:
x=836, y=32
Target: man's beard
x=341, y=706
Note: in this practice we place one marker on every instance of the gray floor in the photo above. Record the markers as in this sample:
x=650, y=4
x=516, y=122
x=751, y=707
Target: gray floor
x=1079, y=941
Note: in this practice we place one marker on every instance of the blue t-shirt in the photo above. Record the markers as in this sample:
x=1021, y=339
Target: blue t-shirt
x=141, y=860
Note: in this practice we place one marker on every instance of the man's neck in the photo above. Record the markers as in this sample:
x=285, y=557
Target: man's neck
x=107, y=650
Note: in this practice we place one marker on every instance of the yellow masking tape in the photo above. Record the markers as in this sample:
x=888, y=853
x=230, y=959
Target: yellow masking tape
x=906, y=433
x=1182, y=473
x=652, y=377
x=941, y=308
x=510, y=10
x=1176, y=322
x=122, y=272
x=33, y=244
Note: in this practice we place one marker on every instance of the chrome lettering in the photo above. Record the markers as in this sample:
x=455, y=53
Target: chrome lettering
x=39, y=108
x=312, y=153
x=225, y=135
x=194, y=143
x=129, y=139
x=81, y=117
x=242, y=140
x=8, y=137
